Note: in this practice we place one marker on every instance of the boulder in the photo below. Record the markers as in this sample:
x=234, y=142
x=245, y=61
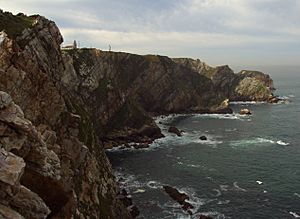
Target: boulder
x=245, y=112
x=203, y=138
x=273, y=99
x=173, y=129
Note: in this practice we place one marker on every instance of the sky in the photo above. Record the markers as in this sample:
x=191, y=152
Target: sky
x=234, y=32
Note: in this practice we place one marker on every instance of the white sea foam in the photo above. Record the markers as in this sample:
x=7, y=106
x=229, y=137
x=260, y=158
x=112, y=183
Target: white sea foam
x=254, y=141
x=193, y=165
x=154, y=184
x=218, y=192
x=220, y=116
x=235, y=184
x=246, y=102
x=282, y=143
x=139, y=191
x=224, y=188
x=297, y=195
x=295, y=215
x=225, y=202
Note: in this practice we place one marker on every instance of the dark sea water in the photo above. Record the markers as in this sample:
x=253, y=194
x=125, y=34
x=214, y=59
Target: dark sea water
x=248, y=168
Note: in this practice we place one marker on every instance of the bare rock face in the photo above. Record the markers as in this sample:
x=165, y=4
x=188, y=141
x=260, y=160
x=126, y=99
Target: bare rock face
x=52, y=164
x=243, y=86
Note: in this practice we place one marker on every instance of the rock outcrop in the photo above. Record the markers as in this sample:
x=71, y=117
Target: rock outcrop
x=52, y=164
x=243, y=86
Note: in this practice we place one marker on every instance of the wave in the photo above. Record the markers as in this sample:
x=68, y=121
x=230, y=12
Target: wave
x=295, y=215
x=297, y=195
x=235, y=185
x=225, y=202
x=247, y=102
x=160, y=120
x=218, y=192
x=233, y=116
x=256, y=141
x=186, y=138
x=282, y=143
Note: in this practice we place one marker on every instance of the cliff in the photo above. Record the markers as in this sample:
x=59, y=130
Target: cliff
x=52, y=164
x=59, y=110
x=243, y=86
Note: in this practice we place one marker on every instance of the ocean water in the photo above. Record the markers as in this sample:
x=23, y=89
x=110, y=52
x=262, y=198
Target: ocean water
x=248, y=168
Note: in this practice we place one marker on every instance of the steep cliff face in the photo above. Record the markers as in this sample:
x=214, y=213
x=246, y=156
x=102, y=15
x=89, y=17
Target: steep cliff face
x=51, y=162
x=156, y=83
x=244, y=86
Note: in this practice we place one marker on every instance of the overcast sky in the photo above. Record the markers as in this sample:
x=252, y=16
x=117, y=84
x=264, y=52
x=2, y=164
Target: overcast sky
x=234, y=32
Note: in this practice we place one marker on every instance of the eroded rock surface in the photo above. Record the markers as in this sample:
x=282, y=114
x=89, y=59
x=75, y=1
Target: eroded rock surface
x=52, y=164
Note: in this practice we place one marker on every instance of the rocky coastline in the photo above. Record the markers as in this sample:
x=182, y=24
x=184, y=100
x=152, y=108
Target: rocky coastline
x=60, y=110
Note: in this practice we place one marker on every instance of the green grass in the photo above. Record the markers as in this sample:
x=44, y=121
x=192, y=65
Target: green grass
x=13, y=25
x=152, y=58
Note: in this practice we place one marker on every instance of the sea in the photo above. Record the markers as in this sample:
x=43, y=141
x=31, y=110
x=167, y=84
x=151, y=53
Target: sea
x=249, y=168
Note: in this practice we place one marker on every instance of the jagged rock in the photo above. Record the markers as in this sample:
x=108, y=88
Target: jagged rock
x=181, y=198
x=65, y=163
x=8, y=213
x=5, y=100
x=29, y=204
x=173, y=129
x=245, y=112
x=203, y=138
x=11, y=167
x=176, y=195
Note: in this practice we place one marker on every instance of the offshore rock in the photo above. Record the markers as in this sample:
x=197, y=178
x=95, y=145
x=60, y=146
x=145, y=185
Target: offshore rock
x=245, y=112
x=173, y=129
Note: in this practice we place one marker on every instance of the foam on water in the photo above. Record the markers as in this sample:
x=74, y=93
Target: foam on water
x=257, y=141
x=297, y=195
x=247, y=102
x=295, y=215
x=218, y=192
x=282, y=143
x=235, y=184
x=254, y=141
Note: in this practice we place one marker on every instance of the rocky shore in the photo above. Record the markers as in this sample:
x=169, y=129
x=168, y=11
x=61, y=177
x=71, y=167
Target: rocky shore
x=59, y=111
